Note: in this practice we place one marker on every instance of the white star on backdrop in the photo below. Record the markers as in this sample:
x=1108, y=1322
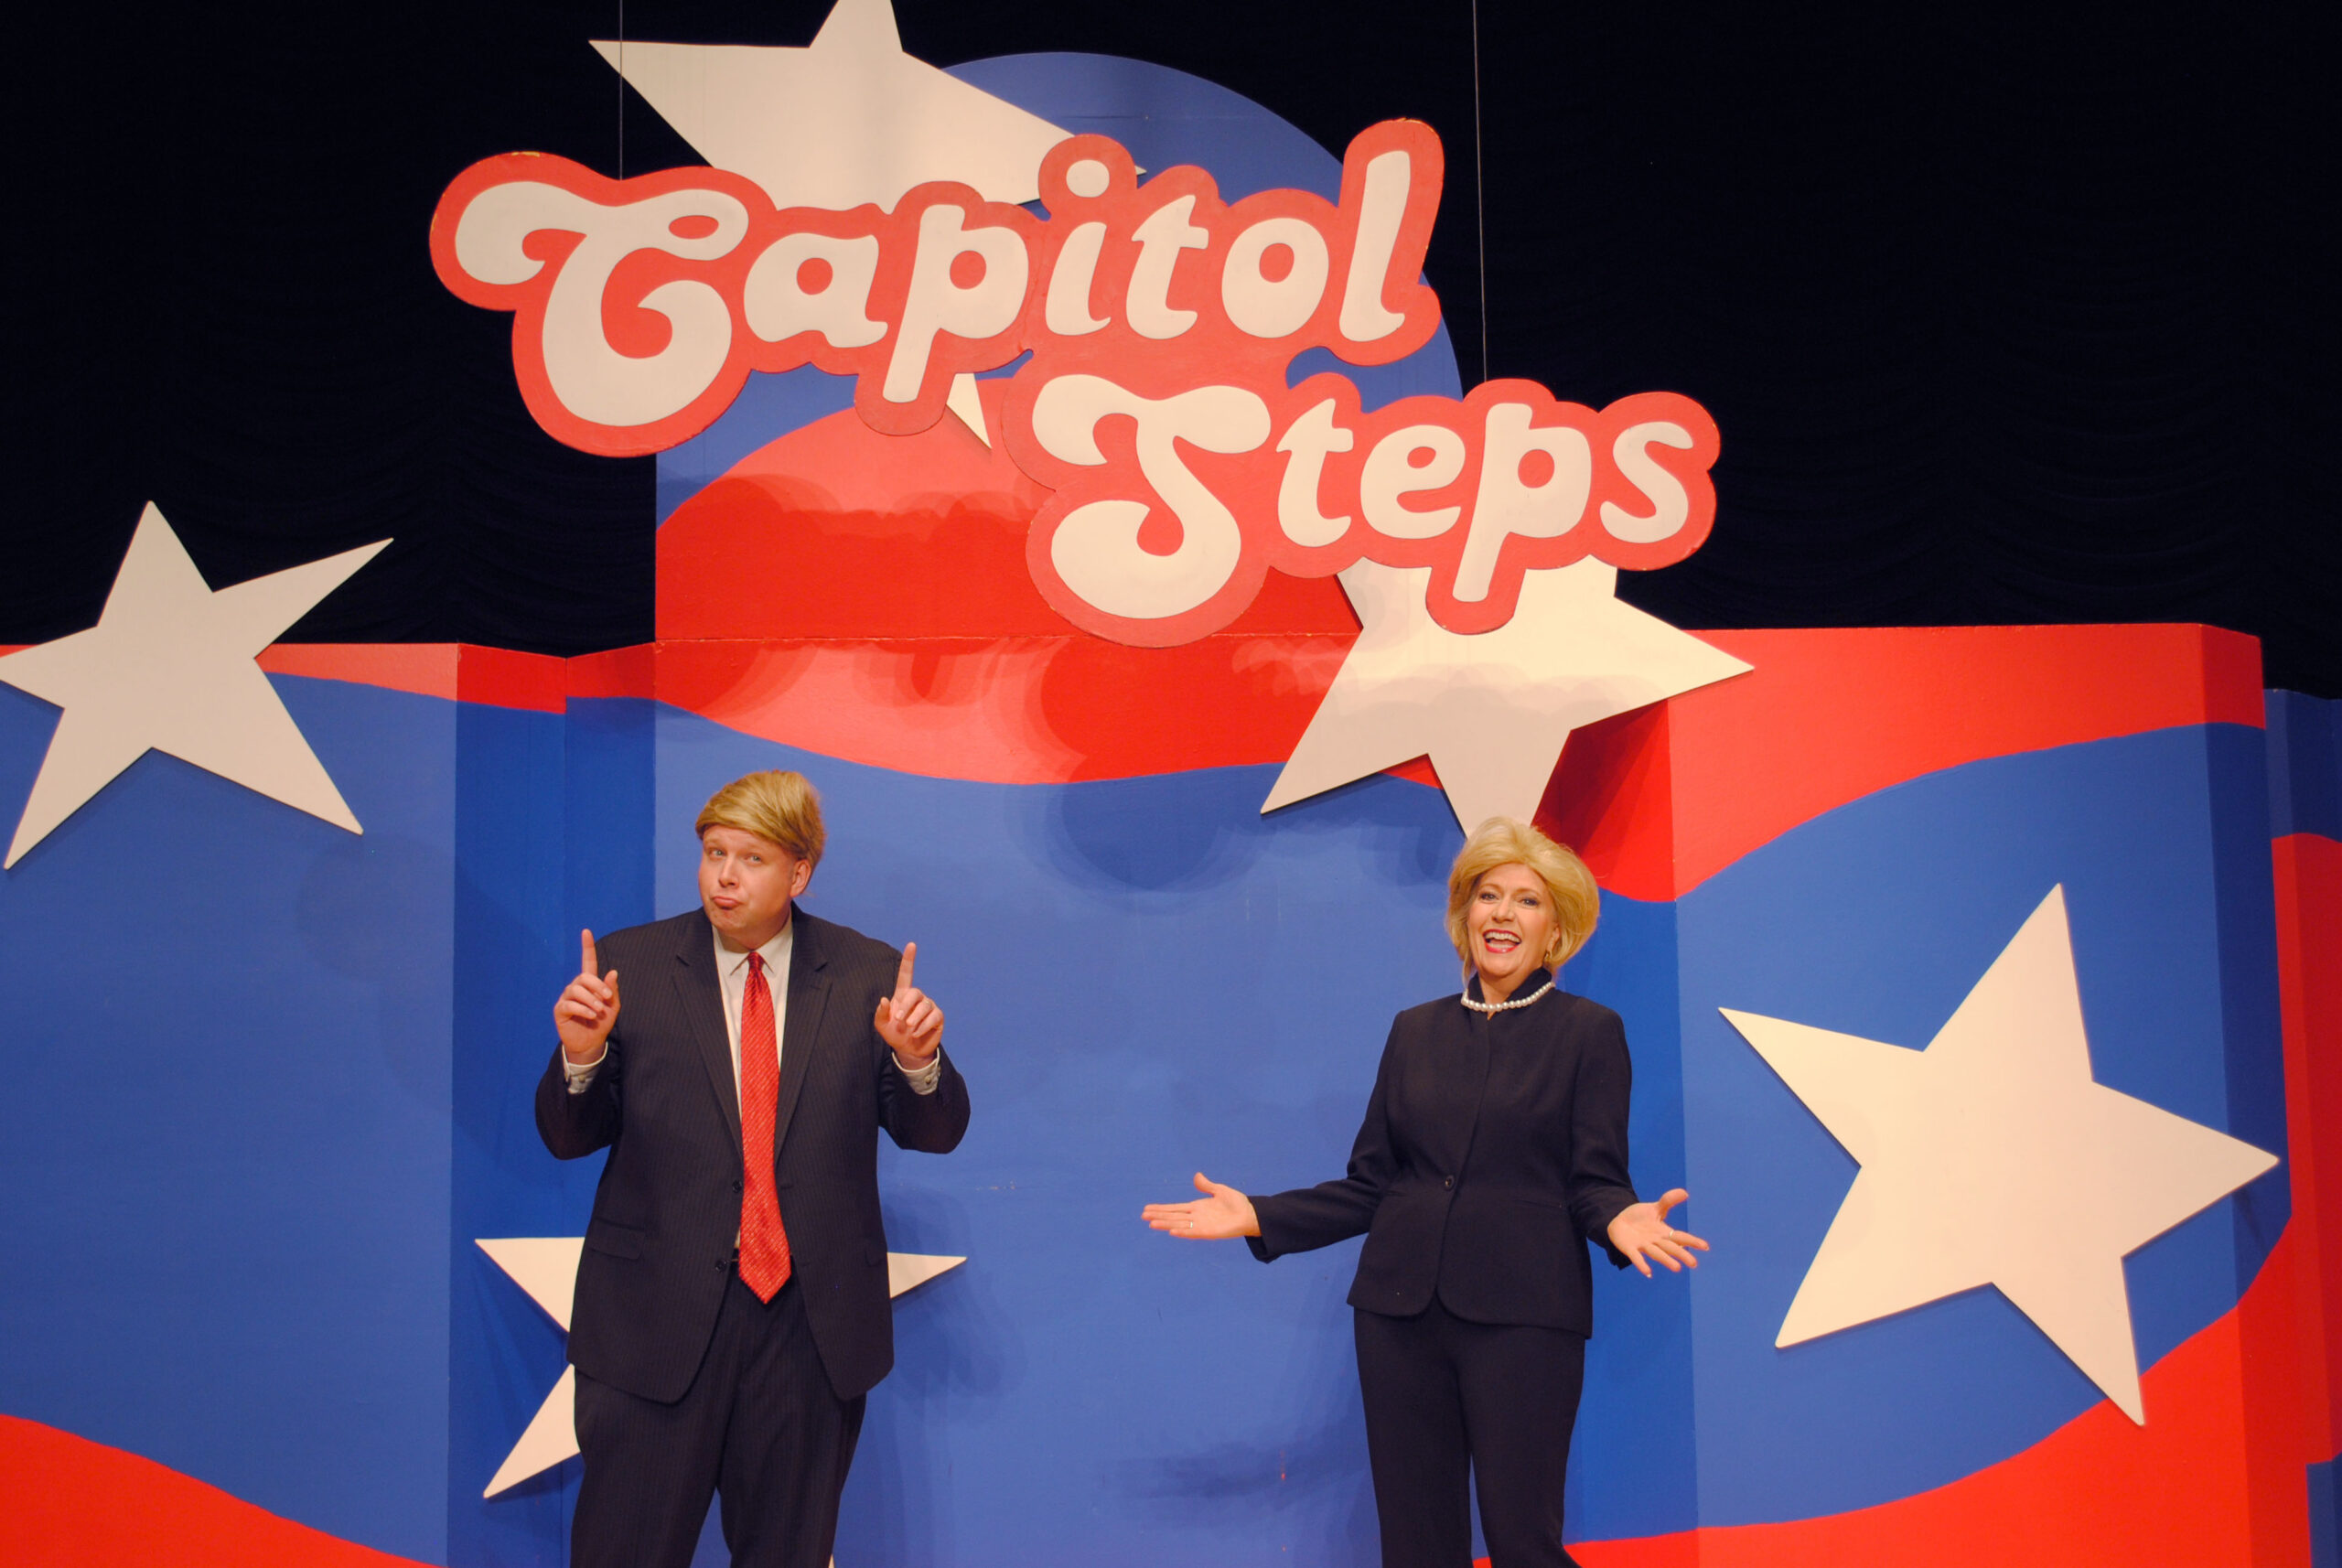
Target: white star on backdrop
x=169, y=668
x=848, y=119
x=1992, y=1157
x=546, y=1267
x=1492, y=711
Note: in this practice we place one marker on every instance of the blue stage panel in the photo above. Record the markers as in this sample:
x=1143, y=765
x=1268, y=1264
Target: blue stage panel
x=1874, y=920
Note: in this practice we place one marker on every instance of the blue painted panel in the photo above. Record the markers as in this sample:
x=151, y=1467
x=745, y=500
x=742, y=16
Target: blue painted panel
x=2252, y=1031
x=2325, y=1516
x=515, y=947
x=225, y=1029
x=1875, y=920
x=1634, y=1467
x=607, y=801
x=1144, y=977
x=2305, y=766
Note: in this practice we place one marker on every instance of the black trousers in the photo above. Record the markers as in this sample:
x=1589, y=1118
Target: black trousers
x=759, y=1425
x=1446, y=1398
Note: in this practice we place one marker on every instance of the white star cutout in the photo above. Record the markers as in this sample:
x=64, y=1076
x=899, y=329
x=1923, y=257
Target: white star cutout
x=1993, y=1158
x=169, y=668
x=546, y=1267
x=848, y=119
x=1491, y=711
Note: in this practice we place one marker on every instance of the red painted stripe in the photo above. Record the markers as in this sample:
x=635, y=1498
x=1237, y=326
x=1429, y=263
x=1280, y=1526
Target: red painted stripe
x=426, y=669
x=906, y=555
x=835, y=531
x=501, y=677
x=452, y=671
x=71, y=1503
x=2097, y=1493
x=622, y=673
x=866, y=596
x=2309, y=968
x=1018, y=710
x=1655, y=801
x=1660, y=800
x=496, y=677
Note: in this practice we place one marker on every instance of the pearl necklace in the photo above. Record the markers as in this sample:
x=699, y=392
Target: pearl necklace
x=1505, y=1006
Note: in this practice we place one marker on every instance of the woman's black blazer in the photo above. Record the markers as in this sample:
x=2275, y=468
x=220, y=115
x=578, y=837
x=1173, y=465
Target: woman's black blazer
x=1494, y=1149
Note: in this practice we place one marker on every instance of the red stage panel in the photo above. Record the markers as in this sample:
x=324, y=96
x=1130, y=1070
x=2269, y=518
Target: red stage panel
x=70, y=1503
x=427, y=669
x=2309, y=960
x=1827, y=716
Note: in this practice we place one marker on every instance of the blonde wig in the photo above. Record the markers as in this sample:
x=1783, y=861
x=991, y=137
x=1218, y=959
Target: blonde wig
x=774, y=805
x=1500, y=841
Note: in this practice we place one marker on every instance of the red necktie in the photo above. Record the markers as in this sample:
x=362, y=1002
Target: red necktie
x=764, y=1245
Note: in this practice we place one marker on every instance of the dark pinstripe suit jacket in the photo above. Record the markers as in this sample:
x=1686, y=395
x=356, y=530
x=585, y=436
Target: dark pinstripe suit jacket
x=659, y=1248
x=1494, y=1148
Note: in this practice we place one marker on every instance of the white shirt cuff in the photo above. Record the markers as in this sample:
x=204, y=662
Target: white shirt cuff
x=581, y=1074
x=922, y=1080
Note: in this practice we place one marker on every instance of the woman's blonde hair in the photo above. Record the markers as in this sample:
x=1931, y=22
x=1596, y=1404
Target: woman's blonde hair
x=775, y=805
x=1500, y=841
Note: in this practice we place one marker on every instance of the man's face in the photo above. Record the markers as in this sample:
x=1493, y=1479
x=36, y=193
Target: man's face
x=745, y=882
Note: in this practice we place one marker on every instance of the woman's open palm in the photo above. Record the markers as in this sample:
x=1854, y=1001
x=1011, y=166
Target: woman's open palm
x=1641, y=1231
x=1221, y=1214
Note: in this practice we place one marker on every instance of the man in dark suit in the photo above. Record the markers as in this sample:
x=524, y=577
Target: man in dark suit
x=732, y=1308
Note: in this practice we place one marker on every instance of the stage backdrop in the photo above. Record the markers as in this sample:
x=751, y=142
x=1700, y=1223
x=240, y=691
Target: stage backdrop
x=1980, y=982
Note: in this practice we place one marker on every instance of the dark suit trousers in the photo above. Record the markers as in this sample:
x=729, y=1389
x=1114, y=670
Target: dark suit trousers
x=759, y=1424
x=1445, y=1398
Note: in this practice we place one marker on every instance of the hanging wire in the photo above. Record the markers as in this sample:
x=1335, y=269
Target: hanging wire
x=1480, y=190
x=622, y=105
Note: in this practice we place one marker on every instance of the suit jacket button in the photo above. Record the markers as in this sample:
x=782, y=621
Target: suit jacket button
x=736, y=1183
x=1449, y=1182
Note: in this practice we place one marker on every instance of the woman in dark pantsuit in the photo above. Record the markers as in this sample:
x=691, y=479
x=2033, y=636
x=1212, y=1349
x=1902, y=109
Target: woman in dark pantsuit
x=1494, y=1149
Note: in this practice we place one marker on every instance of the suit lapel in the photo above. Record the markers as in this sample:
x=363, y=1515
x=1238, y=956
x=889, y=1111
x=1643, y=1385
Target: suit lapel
x=701, y=993
x=809, y=994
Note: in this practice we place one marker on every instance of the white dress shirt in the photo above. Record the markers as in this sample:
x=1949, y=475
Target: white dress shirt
x=732, y=975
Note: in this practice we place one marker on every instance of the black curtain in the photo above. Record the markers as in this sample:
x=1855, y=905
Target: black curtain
x=2006, y=316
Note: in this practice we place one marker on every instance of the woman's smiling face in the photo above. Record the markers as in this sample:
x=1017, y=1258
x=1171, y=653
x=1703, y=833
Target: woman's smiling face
x=1510, y=924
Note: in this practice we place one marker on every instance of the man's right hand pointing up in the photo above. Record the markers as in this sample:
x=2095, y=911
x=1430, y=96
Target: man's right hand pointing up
x=587, y=1009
